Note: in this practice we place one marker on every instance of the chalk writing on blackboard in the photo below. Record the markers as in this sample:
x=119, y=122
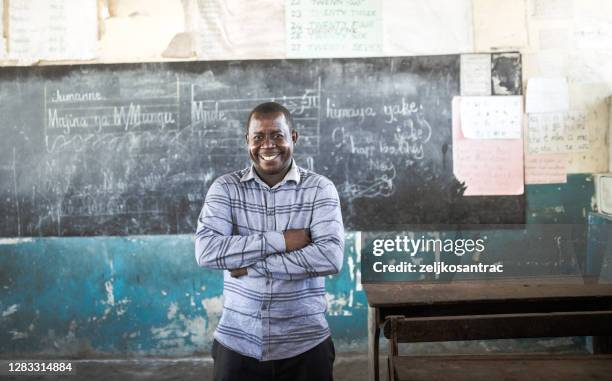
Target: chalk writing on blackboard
x=133, y=148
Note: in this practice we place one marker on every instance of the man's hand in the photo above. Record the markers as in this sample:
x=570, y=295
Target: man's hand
x=296, y=239
x=237, y=273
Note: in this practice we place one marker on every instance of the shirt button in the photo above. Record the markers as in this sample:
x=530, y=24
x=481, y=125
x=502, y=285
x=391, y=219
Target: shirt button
x=270, y=212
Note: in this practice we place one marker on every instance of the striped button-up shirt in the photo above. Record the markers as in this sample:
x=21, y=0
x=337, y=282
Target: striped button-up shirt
x=278, y=309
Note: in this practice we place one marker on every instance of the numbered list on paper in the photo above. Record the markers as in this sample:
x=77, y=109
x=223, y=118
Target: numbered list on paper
x=495, y=117
x=558, y=132
x=333, y=28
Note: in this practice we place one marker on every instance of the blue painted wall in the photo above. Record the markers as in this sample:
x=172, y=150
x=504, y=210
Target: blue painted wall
x=140, y=295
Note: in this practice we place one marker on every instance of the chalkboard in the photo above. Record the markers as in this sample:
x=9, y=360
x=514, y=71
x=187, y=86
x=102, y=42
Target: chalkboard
x=132, y=148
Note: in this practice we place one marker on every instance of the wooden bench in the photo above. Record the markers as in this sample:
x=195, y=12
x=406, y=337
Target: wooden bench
x=481, y=310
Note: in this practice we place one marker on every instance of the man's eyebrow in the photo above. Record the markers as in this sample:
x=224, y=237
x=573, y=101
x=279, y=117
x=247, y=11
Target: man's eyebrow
x=272, y=131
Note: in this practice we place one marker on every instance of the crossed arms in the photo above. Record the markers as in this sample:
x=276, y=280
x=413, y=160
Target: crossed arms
x=290, y=255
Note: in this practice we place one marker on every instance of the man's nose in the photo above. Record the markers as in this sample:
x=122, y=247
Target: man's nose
x=268, y=142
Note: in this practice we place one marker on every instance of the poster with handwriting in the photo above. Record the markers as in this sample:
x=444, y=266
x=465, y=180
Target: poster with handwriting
x=486, y=167
x=475, y=74
x=496, y=117
x=233, y=30
x=52, y=29
x=545, y=168
x=414, y=27
x=558, y=132
x=340, y=28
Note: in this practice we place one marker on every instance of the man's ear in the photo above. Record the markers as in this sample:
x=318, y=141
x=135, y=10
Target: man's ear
x=294, y=136
x=246, y=138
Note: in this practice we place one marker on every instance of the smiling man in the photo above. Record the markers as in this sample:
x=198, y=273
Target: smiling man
x=277, y=230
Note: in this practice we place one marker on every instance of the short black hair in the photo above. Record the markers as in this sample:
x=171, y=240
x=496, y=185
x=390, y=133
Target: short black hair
x=271, y=108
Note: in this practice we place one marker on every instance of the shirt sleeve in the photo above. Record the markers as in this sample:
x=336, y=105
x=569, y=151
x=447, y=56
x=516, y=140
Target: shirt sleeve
x=323, y=256
x=217, y=248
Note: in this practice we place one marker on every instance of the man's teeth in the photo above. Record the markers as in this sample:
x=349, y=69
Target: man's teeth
x=272, y=157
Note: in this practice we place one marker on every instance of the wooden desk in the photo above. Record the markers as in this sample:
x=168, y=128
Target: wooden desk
x=503, y=296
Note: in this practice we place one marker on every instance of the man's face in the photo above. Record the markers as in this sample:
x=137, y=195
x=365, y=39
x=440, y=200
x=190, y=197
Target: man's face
x=270, y=143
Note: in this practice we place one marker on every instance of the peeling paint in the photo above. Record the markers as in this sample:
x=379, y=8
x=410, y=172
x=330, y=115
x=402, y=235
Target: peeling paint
x=122, y=306
x=357, y=240
x=351, y=268
x=14, y=241
x=110, y=298
x=16, y=335
x=173, y=336
x=172, y=310
x=11, y=310
x=213, y=305
x=337, y=304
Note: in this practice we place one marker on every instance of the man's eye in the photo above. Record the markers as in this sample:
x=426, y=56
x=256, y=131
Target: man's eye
x=279, y=136
x=257, y=137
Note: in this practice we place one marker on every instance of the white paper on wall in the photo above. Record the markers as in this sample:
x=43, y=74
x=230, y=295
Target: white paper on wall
x=551, y=9
x=499, y=24
x=229, y=29
x=475, y=74
x=553, y=39
x=558, y=132
x=52, y=29
x=2, y=40
x=495, y=117
x=593, y=34
x=427, y=27
x=333, y=28
x=603, y=188
x=545, y=168
x=547, y=95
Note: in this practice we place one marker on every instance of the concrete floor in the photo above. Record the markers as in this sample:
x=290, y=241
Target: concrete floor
x=346, y=368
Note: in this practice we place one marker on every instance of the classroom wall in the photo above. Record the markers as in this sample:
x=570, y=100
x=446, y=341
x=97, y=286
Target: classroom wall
x=144, y=295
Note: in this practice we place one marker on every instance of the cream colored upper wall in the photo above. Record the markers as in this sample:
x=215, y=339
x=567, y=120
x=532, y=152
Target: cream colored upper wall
x=557, y=38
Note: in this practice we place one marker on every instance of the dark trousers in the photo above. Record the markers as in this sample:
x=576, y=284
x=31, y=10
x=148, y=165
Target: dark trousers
x=315, y=364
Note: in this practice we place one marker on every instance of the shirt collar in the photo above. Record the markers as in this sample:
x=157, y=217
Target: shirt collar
x=292, y=175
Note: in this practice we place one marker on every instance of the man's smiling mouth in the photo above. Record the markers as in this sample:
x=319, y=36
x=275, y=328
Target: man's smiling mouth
x=269, y=157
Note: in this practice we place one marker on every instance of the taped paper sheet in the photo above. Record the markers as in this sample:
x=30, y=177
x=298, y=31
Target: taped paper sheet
x=551, y=9
x=487, y=167
x=230, y=29
x=558, y=132
x=333, y=28
x=495, y=117
x=53, y=29
x=475, y=74
x=427, y=27
x=547, y=95
x=499, y=24
x=545, y=168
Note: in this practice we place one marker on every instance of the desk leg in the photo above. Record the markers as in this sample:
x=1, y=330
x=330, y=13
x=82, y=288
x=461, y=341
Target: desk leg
x=373, y=335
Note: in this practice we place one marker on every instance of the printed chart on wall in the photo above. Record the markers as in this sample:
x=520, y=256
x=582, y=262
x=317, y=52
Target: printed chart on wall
x=133, y=148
